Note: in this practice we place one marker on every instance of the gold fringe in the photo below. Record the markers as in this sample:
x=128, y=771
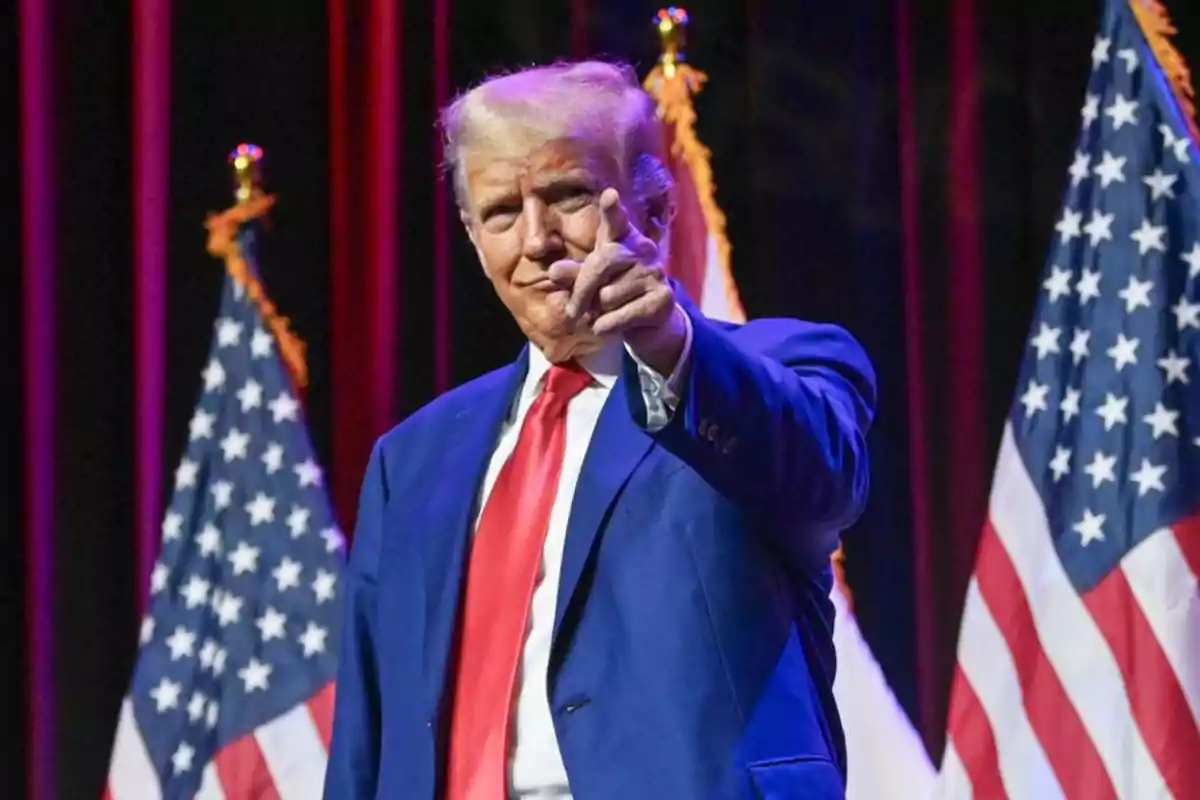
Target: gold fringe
x=1156, y=25
x=223, y=243
x=674, y=96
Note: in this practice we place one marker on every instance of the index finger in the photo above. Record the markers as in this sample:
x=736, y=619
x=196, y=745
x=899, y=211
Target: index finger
x=614, y=222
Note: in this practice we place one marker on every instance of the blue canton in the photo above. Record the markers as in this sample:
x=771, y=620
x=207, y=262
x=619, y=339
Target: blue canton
x=244, y=609
x=1106, y=414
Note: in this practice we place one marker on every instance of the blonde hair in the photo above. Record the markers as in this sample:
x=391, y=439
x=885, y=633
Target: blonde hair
x=600, y=101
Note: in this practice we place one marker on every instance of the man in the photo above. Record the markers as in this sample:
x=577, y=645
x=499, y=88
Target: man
x=601, y=572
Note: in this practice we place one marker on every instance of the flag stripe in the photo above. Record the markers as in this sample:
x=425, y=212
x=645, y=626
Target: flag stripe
x=989, y=670
x=210, y=784
x=1077, y=658
x=243, y=770
x=953, y=777
x=970, y=731
x=1166, y=590
x=293, y=752
x=1159, y=705
x=321, y=706
x=132, y=774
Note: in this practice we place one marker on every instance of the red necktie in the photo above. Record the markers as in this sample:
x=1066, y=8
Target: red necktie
x=504, y=564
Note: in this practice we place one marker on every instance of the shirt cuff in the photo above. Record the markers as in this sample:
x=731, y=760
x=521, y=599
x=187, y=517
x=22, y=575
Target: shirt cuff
x=661, y=395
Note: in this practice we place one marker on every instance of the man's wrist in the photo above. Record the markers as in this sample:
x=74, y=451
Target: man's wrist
x=661, y=348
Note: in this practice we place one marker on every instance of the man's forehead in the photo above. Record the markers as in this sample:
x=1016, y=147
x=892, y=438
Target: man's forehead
x=538, y=165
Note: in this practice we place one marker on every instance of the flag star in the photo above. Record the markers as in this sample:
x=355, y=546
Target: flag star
x=1046, y=341
x=1034, y=398
x=1099, y=227
x=1122, y=111
x=313, y=639
x=298, y=521
x=1136, y=294
x=308, y=473
x=1149, y=477
x=287, y=574
x=1079, y=345
x=1090, y=528
x=1124, y=352
x=222, y=492
x=255, y=676
x=196, y=706
x=185, y=474
x=260, y=344
x=1149, y=237
x=1070, y=404
x=1091, y=110
x=166, y=695
x=172, y=527
x=261, y=509
x=229, y=332
x=1100, y=51
x=250, y=395
x=209, y=540
x=214, y=376
x=1069, y=226
x=1080, y=167
x=147, y=631
x=1175, y=366
x=1088, y=286
x=182, y=643
x=1060, y=465
x=333, y=540
x=158, y=578
x=271, y=624
x=218, y=665
x=1162, y=421
x=234, y=444
x=1101, y=469
x=181, y=760
x=323, y=586
x=1129, y=56
x=244, y=558
x=273, y=458
x=1178, y=145
x=1187, y=315
x=195, y=591
x=208, y=653
x=1192, y=257
x=1111, y=169
x=1113, y=411
x=213, y=712
x=201, y=425
x=1160, y=184
x=284, y=407
x=229, y=610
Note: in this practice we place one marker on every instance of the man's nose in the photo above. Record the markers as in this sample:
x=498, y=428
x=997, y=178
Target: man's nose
x=543, y=236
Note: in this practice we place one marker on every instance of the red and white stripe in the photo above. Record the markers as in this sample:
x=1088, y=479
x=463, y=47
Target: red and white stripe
x=1062, y=695
x=282, y=760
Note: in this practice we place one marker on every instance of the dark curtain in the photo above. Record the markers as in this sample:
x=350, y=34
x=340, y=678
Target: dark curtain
x=891, y=165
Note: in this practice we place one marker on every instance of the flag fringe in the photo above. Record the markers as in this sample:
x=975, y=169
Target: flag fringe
x=1156, y=25
x=223, y=243
x=674, y=97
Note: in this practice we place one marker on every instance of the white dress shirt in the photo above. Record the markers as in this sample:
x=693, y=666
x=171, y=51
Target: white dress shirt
x=536, y=770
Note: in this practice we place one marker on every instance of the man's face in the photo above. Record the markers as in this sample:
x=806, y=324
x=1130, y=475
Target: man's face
x=529, y=211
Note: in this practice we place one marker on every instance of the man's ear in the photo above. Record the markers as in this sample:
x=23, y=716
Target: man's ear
x=465, y=218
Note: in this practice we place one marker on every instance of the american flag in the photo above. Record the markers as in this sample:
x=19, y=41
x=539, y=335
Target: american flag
x=232, y=693
x=1078, y=668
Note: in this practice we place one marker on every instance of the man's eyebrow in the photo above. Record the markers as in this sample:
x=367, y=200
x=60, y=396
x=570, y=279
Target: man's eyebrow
x=577, y=176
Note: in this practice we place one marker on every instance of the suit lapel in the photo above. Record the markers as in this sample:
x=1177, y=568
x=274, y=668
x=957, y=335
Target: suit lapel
x=445, y=529
x=618, y=445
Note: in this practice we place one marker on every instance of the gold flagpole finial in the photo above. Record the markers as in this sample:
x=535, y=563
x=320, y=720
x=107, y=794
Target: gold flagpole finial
x=671, y=24
x=246, y=160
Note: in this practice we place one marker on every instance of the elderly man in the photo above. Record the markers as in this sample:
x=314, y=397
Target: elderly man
x=602, y=571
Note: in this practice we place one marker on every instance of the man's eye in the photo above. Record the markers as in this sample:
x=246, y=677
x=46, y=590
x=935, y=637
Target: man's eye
x=501, y=211
x=575, y=197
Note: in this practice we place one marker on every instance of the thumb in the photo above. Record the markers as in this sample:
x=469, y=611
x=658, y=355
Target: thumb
x=614, y=222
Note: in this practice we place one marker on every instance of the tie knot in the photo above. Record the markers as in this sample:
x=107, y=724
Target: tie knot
x=564, y=381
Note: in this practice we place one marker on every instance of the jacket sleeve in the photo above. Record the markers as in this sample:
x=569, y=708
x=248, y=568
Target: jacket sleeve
x=353, y=767
x=776, y=418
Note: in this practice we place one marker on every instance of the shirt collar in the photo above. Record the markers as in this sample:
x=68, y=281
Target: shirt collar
x=604, y=365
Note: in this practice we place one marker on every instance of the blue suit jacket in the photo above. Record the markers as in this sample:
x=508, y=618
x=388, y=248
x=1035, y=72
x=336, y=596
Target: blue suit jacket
x=692, y=655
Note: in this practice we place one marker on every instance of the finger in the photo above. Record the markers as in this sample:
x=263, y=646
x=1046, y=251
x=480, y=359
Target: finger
x=631, y=315
x=598, y=269
x=614, y=222
x=564, y=272
x=618, y=293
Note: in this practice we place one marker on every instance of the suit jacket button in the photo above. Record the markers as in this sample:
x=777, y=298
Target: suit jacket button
x=713, y=433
